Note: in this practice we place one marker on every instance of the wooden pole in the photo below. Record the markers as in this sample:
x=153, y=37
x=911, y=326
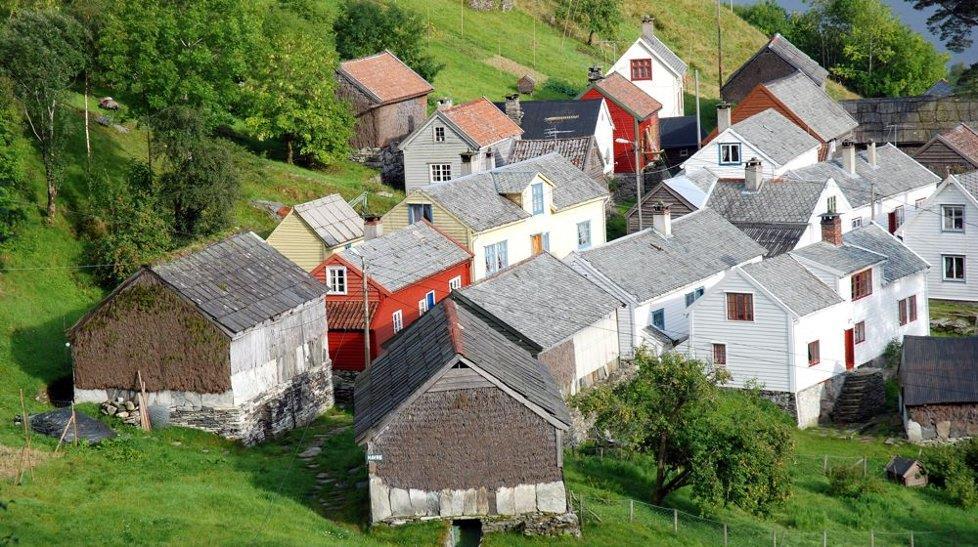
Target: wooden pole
x=631, y=510
x=872, y=539
x=699, y=124
x=825, y=538
x=725, y=538
x=366, y=314
x=25, y=455
x=865, y=466
x=639, y=175
x=825, y=464
x=143, y=404
x=64, y=432
x=461, y=11
x=74, y=422
x=774, y=533
x=911, y=538
x=675, y=520
x=719, y=51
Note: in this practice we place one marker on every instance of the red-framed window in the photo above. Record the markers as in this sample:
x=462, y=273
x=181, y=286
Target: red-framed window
x=813, y=356
x=908, y=309
x=740, y=306
x=862, y=284
x=641, y=69
x=719, y=354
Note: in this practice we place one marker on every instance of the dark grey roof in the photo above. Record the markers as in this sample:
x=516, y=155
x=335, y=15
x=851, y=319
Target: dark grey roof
x=775, y=136
x=909, y=121
x=900, y=260
x=813, y=105
x=332, y=218
x=562, y=119
x=941, y=88
x=475, y=200
x=575, y=149
x=780, y=201
x=425, y=347
x=647, y=265
x=679, y=132
x=900, y=465
x=777, y=238
x=240, y=282
x=542, y=298
x=797, y=58
x=792, y=284
x=844, y=258
x=667, y=55
x=406, y=256
x=938, y=370
x=895, y=172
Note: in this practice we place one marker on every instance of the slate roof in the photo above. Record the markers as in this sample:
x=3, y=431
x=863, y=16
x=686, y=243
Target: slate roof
x=941, y=88
x=475, y=200
x=626, y=94
x=332, y=218
x=908, y=121
x=792, y=284
x=385, y=78
x=679, y=132
x=797, y=58
x=646, y=264
x=562, y=119
x=845, y=258
x=482, y=122
x=426, y=346
x=775, y=136
x=900, y=260
x=665, y=54
x=240, y=282
x=777, y=238
x=403, y=257
x=542, y=298
x=813, y=105
x=780, y=200
x=576, y=149
x=938, y=370
x=347, y=314
x=900, y=465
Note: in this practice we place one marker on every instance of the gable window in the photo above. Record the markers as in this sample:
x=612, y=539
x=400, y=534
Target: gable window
x=730, y=153
x=953, y=218
x=336, y=280
x=953, y=267
x=908, y=309
x=862, y=284
x=740, y=306
x=397, y=318
x=584, y=235
x=496, y=257
x=455, y=283
x=641, y=69
x=439, y=134
x=857, y=222
x=439, y=172
x=831, y=205
x=859, y=332
x=419, y=211
x=719, y=354
x=813, y=357
x=693, y=296
x=537, y=193
x=658, y=319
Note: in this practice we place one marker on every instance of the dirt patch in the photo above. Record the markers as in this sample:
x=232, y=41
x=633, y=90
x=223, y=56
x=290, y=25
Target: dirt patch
x=512, y=67
x=11, y=458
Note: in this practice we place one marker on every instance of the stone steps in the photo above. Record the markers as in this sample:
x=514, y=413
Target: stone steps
x=862, y=396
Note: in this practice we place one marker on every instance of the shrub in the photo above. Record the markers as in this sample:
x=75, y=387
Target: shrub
x=561, y=87
x=953, y=468
x=851, y=482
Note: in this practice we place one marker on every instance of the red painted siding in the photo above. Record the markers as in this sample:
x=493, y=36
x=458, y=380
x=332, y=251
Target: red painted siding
x=625, y=129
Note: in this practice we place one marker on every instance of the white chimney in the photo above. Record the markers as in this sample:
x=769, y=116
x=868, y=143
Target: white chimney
x=648, y=26
x=849, y=157
x=723, y=117
x=662, y=219
x=444, y=103
x=752, y=175
x=372, y=227
x=513, y=108
x=871, y=153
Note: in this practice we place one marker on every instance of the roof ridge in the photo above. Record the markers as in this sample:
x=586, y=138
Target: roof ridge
x=454, y=328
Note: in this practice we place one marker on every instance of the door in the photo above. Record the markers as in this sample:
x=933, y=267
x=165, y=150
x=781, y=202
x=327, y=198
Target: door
x=536, y=244
x=892, y=221
x=850, y=350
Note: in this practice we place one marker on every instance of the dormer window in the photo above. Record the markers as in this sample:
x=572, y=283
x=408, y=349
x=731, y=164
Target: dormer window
x=730, y=153
x=862, y=284
x=641, y=69
x=439, y=134
x=536, y=192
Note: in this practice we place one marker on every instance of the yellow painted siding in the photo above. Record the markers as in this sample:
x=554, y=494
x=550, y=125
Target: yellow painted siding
x=397, y=218
x=296, y=240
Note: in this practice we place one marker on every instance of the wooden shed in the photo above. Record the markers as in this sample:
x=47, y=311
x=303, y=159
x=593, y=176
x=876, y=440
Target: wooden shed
x=526, y=84
x=906, y=471
x=231, y=339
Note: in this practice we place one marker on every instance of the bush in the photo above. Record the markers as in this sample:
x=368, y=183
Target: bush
x=851, y=482
x=560, y=87
x=954, y=469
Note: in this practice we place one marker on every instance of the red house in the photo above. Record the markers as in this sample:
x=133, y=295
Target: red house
x=408, y=272
x=633, y=112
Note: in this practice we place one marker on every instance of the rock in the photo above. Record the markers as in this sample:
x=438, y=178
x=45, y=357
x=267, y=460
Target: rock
x=469, y=504
x=524, y=498
x=505, y=503
x=354, y=470
x=432, y=504
x=944, y=430
x=482, y=501
x=446, y=499
x=419, y=502
x=551, y=497
x=890, y=440
x=111, y=410
x=122, y=414
x=310, y=452
x=119, y=401
x=400, y=502
x=129, y=406
x=322, y=475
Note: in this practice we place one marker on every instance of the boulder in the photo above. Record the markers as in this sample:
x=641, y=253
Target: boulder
x=310, y=452
x=551, y=497
x=400, y=503
x=419, y=502
x=380, y=500
x=524, y=498
x=469, y=504
x=944, y=430
x=505, y=501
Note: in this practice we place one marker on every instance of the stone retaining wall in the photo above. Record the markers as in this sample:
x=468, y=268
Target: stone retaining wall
x=941, y=423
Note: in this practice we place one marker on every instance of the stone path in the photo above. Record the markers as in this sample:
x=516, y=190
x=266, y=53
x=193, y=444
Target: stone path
x=332, y=487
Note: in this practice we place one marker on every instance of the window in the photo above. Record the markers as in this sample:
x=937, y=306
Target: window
x=831, y=204
x=336, y=280
x=455, y=283
x=537, y=193
x=684, y=152
x=862, y=284
x=953, y=267
x=857, y=222
x=418, y=211
x=439, y=172
x=546, y=241
x=908, y=309
x=953, y=218
x=730, y=153
x=427, y=302
x=584, y=234
x=693, y=296
x=719, y=354
x=658, y=319
x=397, y=318
x=813, y=357
x=859, y=332
x=496, y=257
x=740, y=306
x=439, y=134
x=641, y=69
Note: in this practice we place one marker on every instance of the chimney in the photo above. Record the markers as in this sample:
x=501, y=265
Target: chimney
x=871, y=153
x=648, y=26
x=752, y=175
x=723, y=117
x=513, y=109
x=372, y=227
x=466, y=162
x=594, y=74
x=662, y=218
x=832, y=229
x=849, y=157
x=444, y=103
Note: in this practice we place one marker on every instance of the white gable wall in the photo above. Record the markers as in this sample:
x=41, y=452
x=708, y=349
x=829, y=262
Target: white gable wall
x=596, y=345
x=665, y=86
x=709, y=157
x=674, y=306
x=604, y=136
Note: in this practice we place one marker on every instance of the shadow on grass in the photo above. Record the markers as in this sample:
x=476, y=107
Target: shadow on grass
x=40, y=350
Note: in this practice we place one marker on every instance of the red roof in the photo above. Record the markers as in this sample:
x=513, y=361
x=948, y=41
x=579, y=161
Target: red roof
x=385, y=77
x=627, y=95
x=482, y=122
x=346, y=314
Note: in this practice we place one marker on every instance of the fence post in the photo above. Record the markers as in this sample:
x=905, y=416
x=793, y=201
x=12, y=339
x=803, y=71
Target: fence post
x=774, y=538
x=583, y=510
x=825, y=464
x=911, y=538
x=872, y=539
x=675, y=520
x=865, y=466
x=724, y=535
x=631, y=510
x=825, y=538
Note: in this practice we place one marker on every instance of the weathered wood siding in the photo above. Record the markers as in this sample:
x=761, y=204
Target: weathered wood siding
x=677, y=207
x=560, y=362
x=765, y=67
x=377, y=126
x=397, y=218
x=423, y=151
x=296, y=240
x=942, y=160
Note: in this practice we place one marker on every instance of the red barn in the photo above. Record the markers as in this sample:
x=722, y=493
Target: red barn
x=408, y=272
x=632, y=111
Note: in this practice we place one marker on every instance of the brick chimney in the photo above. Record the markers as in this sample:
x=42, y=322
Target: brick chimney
x=444, y=103
x=752, y=175
x=662, y=218
x=723, y=117
x=871, y=153
x=648, y=26
x=832, y=229
x=849, y=157
x=513, y=109
x=372, y=227
x=594, y=73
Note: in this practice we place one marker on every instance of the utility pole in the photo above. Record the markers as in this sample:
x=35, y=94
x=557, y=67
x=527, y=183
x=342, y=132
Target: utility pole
x=699, y=127
x=639, y=175
x=719, y=50
x=366, y=314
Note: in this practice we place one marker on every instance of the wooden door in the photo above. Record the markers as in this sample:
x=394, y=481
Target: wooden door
x=892, y=221
x=850, y=350
x=536, y=244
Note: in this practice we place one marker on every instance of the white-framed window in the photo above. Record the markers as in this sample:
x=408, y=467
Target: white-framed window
x=952, y=218
x=426, y=303
x=693, y=296
x=497, y=257
x=857, y=222
x=658, y=319
x=418, y=211
x=455, y=283
x=536, y=191
x=439, y=172
x=584, y=235
x=336, y=279
x=953, y=267
x=439, y=134
x=397, y=319
x=730, y=153
x=831, y=204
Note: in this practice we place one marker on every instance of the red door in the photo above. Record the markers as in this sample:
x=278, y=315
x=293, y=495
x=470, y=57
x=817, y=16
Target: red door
x=892, y=221
x=850, y=350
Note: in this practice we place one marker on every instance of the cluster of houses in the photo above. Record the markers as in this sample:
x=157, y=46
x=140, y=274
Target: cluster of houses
x=461, y=319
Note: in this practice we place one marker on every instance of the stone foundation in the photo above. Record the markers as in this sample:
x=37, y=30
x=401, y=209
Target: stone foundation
x=535, y=524
x=343, y=383
x=811, y=405
x=941, y=423
x=389, y=160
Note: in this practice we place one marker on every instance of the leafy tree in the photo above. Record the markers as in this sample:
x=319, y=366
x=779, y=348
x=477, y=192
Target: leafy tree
x=954, y=20
x=201, y=188
x=365, y=27
x=12, y=173
x=594, y=16
x=731, y=448
x=768, y=16
x=42, y=54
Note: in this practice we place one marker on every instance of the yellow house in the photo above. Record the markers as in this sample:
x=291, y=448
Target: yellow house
x=314, y=230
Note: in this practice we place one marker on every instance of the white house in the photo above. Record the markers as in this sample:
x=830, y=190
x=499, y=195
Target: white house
x=457, y=140
x=655, y=69
x=798, y=321
x=571, y=322
x=511, y=213
x=942, y=232
x=661, y=270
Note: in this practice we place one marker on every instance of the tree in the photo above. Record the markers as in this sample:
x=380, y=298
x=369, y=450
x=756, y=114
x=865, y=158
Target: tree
x=12, y=173
x=201, y=188
x=365, y=27
x=954, y=20
x=42, y=54
x=88, y=13
x=731, y=448
x=768, y=16
x=594, y=16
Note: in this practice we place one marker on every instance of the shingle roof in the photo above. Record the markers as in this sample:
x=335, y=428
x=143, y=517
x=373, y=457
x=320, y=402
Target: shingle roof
x=969, y=181
x=626, y=94
x=679, y=132
x=900, y=260
x=900, y=465
x=426, y=346
x=775, y=136
x=909, y=120
x=792, y=284
x=385, y=77
x=347, y=314
x=647, y=265
x=777, y=201
x=403, y=257
x=240, y=282
x=938, y=370
x=797, y=58
x=667, y=55
x=542, y=298
x=564, y=119
x=941, y=88
x=844, y=258
x=482, y=122
x=777, y=238
x=476, y=202
x=576, y=149
x=813, y=105
x=963, y=139
x=332, y=218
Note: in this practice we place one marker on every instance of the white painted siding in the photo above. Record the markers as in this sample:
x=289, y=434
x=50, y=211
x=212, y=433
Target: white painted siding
x=674, y=306
x=828, y=327
x=595, y=346
x=665, y=86
x=882, y=316
x=604, y=136
x=709, y=157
